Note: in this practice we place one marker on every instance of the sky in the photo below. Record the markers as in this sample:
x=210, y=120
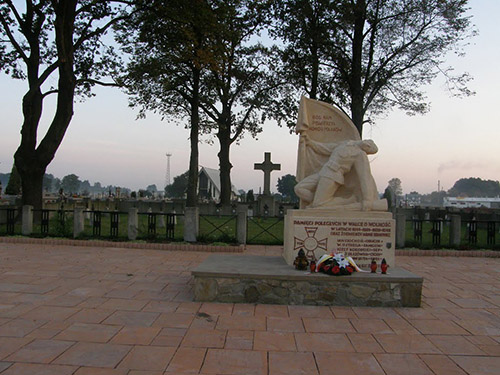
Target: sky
x=458, y=138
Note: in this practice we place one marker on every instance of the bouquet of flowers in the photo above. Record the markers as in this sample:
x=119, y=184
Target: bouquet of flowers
x=336, y=264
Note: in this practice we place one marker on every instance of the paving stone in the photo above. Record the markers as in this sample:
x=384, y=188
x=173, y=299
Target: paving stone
x=20, y=327
x=89, y=332
x=328, y=325
x=292, y=363
x=271, y=311
x=438, y=327
x=274, y=341
x=148, y=358
x=40, y=351
x=90, y=315
x=132, y=318
x=323, y=342
x=39, y=369
x=406, y=344
x=402, y=364
x=94, y=355
x=136, y=335
x=173, y=320
x=310, y=312
x=285, y=324
x=204, y=338
x=348, y=363
x=252, y=323
x=453, y=344
x=441, y=365
x=239, y=340
x=161, y=306
x=4, y=365
x=187, y=360
x=364, y=343
x=370, y=326
x=100, y=371
x=9, y=345
x=235, y=362
x=478, y=365
x=50, y=313
x=216, y=308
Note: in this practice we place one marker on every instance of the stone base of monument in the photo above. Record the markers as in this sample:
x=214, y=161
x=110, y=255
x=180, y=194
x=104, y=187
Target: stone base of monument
x=269, y=280
x=362, y=235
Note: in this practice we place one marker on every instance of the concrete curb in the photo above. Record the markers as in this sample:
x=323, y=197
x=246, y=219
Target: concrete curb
x=128, y=245
x=449, y=253
x=223, y=249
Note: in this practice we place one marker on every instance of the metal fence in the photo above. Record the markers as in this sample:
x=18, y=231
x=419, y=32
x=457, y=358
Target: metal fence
x=265, y=230
x=217, y=228
x=436, y=233
x=10, y=221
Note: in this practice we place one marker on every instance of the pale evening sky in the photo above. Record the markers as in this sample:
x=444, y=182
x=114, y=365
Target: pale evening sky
x=457, y=138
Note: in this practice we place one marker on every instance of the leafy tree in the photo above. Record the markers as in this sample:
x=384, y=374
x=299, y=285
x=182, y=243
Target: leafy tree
x=4, y=178
x=48, y=180
x=85, y=187
x=14, y=185
x=71, y=184
x=368, y=56
x=250, y=196
x=56, y=184
x=304, y=28
x=286, y=186
x=241, y=80
x=195, y=59
x=170, y=50
x=395, y=185
x=475, y=187
x=390, y=197
x=435, y=198
x=177, y=189
x=48, y=41
x=152, y=188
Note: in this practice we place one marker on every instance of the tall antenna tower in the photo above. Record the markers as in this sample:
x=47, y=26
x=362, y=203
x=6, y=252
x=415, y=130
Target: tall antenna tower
x=167, y=177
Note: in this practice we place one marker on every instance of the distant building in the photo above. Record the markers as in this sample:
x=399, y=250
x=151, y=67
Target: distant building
x=413, y=199
x=209, y=185
x=466, y=202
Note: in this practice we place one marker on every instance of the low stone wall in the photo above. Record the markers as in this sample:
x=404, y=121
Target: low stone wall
x=256, y=279
x=128, y=245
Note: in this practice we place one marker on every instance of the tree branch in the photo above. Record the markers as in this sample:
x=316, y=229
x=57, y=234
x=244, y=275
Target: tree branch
x=12, y=40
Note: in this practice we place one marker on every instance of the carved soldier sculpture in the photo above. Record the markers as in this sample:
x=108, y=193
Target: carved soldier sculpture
x=318, y=189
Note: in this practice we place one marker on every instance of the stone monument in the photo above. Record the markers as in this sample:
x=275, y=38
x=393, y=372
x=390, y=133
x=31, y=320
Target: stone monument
x=266, y=200
x=340, y=210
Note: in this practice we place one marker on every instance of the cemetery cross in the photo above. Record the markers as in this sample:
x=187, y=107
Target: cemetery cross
x=267, y=167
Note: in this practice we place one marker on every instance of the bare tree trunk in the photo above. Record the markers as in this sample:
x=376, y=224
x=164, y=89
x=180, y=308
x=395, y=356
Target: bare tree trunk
x=31, y=162
x=225, y=166
x=192, y=188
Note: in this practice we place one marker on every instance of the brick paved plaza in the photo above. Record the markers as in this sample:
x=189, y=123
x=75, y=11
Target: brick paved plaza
x=83, y=310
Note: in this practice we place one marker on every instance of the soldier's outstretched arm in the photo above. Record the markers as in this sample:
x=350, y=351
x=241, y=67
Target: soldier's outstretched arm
x=319, y=147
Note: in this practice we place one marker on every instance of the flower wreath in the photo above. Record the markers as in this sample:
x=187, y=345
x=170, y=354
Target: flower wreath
x=336, y=265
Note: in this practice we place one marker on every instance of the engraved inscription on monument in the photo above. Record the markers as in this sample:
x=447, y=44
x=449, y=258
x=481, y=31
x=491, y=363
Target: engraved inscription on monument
x=362, y=239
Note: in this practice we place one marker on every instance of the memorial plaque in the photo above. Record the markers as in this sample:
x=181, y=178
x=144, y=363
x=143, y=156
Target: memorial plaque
x=363, y=236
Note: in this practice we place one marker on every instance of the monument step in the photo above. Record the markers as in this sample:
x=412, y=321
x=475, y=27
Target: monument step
x=264, y=279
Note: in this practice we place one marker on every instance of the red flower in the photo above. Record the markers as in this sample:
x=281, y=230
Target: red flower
x=349, y=269
x=336, y=270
